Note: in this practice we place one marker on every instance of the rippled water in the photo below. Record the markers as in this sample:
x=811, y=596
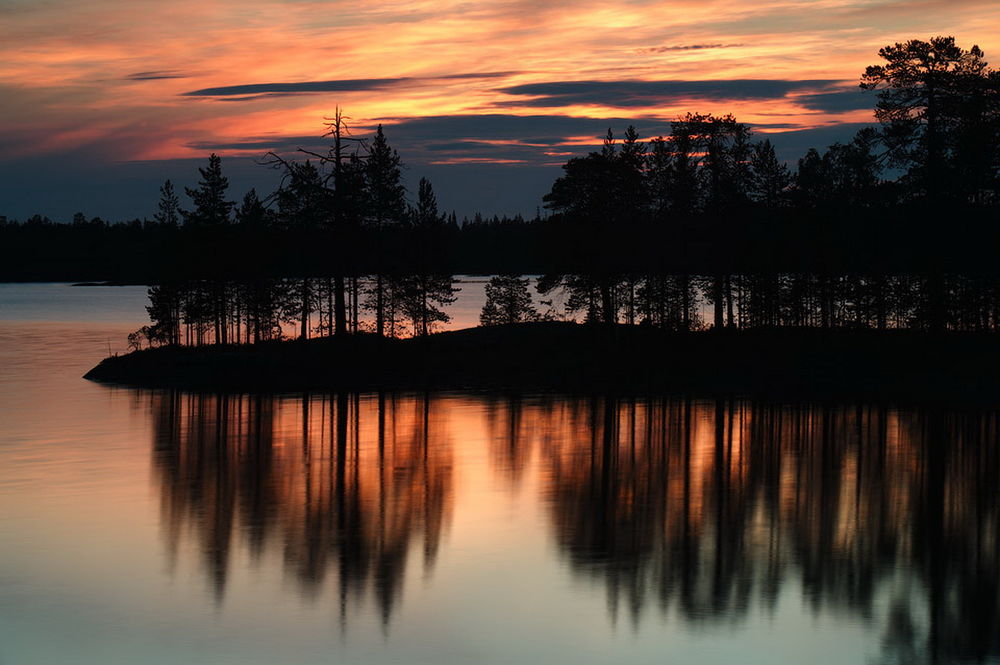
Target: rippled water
x=164, y=527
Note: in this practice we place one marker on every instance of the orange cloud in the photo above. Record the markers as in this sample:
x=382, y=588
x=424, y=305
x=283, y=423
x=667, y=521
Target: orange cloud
x=75, y=72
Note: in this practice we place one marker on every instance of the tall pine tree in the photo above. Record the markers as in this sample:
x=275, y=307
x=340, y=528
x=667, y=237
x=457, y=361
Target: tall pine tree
x=386, y=208
x=169, y=207
x=211, y=208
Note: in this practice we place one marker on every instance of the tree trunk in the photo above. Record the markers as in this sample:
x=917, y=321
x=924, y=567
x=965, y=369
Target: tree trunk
x=304, y=333
x=717, y=301
x=685, y=302
x=423, y=311
x=224, y=303
x=379, y=307
x=329, y=307
x=729, y=301
x=339, y=306
x=607, y=302
x=354, y=304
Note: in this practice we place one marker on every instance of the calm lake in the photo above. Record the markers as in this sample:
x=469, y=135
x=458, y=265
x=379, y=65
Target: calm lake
x=166, y=527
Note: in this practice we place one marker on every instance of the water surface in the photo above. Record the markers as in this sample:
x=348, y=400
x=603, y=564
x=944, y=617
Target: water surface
x=166, y=527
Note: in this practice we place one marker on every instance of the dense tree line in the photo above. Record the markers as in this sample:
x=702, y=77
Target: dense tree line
x=638, y=231
x=229, y=312
x=953, y=301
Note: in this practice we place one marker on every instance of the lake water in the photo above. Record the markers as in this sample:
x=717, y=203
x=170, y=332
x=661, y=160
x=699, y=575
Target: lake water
x=164, y=527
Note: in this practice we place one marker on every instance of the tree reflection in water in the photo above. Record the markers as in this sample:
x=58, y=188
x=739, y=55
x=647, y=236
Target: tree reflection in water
x=709, y=508
x=703, y=510
x=343, y=484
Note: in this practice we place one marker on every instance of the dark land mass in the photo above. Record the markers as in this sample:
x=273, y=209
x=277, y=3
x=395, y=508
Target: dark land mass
x=581, y=358
x=897, y=240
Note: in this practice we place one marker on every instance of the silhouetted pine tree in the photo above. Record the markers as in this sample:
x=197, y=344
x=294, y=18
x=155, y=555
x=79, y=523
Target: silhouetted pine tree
x=591, y=295
x=386, y=204
x=770, y=178
x=659, y=179
x=169, y=207
x=423, y=297
x=853, y=169
x=507, y=301
x=211, y=208
x=813, y=179
x=303, y=201
x=630, y=178
x=208, y=306
x=977, y=141
x=252, y=213
x=924, y=88
x=684, y=180
x=262, y=303
x=386, y=207
x=426, y=215
x=668, y=301
x=164, y=309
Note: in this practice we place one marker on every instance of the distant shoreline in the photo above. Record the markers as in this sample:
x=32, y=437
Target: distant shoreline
x=107, y=284
x=567, y=357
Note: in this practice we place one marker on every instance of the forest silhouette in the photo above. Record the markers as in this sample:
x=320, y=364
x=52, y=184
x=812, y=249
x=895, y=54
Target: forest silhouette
x=704, y=227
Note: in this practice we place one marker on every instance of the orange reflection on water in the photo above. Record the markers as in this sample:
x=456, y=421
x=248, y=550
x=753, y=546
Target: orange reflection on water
x=704, y=510
x=348, y=484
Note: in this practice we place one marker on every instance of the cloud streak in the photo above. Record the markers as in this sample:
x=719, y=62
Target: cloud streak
x=155, y=76
x=686, y=47
x=646, y=93
x=343, y=85
x=839, y=101
x=336, y=85
x=542, y=140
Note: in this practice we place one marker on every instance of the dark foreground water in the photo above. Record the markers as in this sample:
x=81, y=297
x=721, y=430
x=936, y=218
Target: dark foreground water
x=164, y=527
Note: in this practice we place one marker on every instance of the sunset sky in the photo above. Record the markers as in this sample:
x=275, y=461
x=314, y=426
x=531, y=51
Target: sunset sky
x=101, y=100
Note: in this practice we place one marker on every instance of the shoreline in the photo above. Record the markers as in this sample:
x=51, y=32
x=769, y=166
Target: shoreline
x=556, y=356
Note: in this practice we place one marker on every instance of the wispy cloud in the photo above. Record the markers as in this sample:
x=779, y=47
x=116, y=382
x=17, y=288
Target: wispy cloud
x=529, y=138
x=492, y=137
x=838, y=101
x=685, y=47
x=343, y=85
x=531, y=129
x=155, y=75
x=336, y=85
x=645, y=93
